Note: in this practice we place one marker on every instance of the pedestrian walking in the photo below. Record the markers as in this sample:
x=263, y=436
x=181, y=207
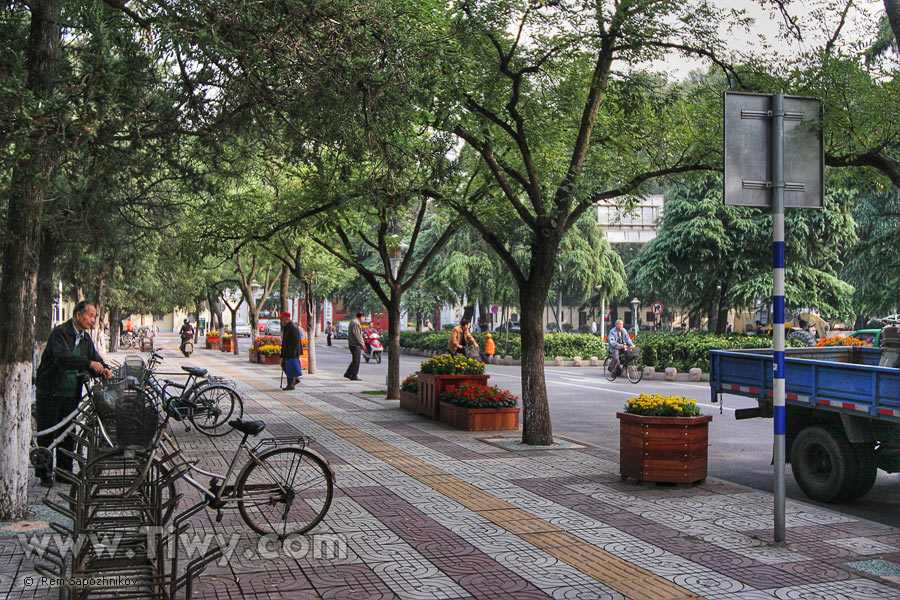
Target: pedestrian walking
x=355, y=342
x=69, y=351
x=489, y=349
x=290, y=350
x=329, y=332
x=594, y=326
x=460, y=338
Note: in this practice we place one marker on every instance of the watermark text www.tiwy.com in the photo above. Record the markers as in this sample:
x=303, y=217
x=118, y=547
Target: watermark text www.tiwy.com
x=188, y=545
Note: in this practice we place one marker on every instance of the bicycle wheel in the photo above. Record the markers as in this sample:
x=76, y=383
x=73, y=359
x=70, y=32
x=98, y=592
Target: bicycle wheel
x=111, y=474
x=283, y=492
x=610, y=375
x=635, y=371
x=216, y=405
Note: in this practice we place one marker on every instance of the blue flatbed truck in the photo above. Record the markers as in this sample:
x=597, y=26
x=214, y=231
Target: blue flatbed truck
x=842, y=410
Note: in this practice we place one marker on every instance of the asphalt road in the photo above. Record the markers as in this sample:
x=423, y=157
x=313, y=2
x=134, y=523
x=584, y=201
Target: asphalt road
x=583, y=406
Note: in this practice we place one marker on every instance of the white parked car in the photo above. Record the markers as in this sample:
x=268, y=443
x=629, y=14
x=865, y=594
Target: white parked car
x=242, y=329
x=273, y=327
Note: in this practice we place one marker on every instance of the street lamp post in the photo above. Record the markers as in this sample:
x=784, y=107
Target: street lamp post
x=599, y=289
x=635, y=303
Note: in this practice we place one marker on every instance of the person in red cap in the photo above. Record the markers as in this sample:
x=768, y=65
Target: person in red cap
x=290, y=350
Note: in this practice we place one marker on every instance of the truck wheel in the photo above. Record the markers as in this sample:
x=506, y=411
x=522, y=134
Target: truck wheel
x=807, y=337
x=824, y=463
x=866, y=469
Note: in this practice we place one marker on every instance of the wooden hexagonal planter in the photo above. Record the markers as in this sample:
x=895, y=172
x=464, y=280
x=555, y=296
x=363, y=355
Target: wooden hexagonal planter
x=663, y=449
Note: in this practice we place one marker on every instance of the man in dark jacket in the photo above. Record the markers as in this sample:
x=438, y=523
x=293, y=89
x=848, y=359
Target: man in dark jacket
x=290, y=345
x=69, y=350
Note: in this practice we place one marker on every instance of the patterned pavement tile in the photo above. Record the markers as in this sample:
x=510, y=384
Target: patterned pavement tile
x=857, y=589
x=863, y=546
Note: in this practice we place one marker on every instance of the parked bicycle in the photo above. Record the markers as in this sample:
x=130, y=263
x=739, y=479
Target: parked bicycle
x=284, y=488
x=207, y=402
x=629, y=364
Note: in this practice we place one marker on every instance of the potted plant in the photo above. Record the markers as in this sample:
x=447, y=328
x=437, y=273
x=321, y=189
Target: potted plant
x=304, y=354
x=440, y=371
x=254, y=355
x=270, y=354
x=212, y=340
x=409, y=392
x=663, y=439
x=477, y=407
x=266, y=340
x=227, y=343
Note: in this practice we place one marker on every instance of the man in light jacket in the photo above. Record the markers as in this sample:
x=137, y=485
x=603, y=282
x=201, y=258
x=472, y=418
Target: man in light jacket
x=460, y=338
x=618, y=341
x=355, y=342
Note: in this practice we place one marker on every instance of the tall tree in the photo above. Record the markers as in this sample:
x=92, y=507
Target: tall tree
x=557, y=128
x=22, y=237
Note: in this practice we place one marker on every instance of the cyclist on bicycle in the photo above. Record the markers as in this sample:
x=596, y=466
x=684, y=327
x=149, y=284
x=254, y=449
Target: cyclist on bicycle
x=618, y=341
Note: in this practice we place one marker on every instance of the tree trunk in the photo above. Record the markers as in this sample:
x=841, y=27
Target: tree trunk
x=115, y=324
x=101, y=312
x=79, y=293
x=393, y=346
x=284, y=289
x=536, y=427
x=892, y=8
x=46, y=294
x=215, y=315
x=18, y=292
x=721, y=320
x=234, y=337
x=310, y=306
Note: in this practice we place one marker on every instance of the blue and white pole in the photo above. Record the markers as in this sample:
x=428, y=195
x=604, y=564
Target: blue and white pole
x=778, y=395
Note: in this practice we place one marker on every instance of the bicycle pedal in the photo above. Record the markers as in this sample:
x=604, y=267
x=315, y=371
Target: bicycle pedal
x=219, y=515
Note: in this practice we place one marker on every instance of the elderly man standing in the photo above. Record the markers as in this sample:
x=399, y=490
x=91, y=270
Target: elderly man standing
x=290, y=350
x=355, y=342
x=618, y=341
x=69, y=351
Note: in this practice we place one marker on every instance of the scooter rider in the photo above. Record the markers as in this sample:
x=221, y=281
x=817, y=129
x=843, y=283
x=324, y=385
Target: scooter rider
x=187, y=335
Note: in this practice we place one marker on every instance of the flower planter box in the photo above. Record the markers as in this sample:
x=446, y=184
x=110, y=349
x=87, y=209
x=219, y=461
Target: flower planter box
x=409, y=400
x=228, y=345
x=663, y=449
x=270, y=359
x=254, y=357
x=479, y=419
x=432, y=386
x=212, y=343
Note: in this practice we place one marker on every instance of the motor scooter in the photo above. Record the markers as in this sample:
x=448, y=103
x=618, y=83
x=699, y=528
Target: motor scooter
x=187, y=345
x=373, y=348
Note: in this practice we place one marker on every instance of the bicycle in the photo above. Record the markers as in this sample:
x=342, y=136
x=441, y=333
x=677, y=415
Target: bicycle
x=629, y=363
x=207, y=402
x=283, y=490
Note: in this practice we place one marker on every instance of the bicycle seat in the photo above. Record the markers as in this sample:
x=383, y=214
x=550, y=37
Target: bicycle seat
x=195, y=371
x=248, y=427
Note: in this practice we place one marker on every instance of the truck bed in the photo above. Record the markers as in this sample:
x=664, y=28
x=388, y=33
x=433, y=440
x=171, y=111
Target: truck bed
x=843, y=379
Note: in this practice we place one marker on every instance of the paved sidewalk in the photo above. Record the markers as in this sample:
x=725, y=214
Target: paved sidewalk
x=431, y=512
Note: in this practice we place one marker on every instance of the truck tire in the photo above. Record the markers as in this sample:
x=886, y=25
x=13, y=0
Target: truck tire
x=807, y=337
x=824, y=463
x=867, y=471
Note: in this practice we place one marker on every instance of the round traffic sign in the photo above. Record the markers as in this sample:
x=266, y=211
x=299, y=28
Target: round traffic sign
x=657, y=308
x=495, y=309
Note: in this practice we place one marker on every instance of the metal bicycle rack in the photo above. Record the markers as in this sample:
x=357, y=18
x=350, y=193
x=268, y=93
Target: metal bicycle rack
x=122, y=546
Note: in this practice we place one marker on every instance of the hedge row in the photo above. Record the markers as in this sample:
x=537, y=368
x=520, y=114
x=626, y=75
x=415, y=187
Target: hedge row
x=682, y=350
x=687, y=350
x=568, y=345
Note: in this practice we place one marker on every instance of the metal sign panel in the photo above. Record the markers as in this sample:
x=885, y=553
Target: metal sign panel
x=748, y=142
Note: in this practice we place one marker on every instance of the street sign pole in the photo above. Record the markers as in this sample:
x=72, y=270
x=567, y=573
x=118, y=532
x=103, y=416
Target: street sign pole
x=778, y=396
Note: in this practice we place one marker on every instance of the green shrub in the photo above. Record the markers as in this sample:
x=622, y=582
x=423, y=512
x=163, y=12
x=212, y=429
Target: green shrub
x=687, y=350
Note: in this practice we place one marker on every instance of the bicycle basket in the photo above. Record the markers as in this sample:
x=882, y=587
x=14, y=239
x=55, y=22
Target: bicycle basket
x=633, y=352
x=221, y=381
x=105, y=397
x=133, y=367
x=137, y=420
